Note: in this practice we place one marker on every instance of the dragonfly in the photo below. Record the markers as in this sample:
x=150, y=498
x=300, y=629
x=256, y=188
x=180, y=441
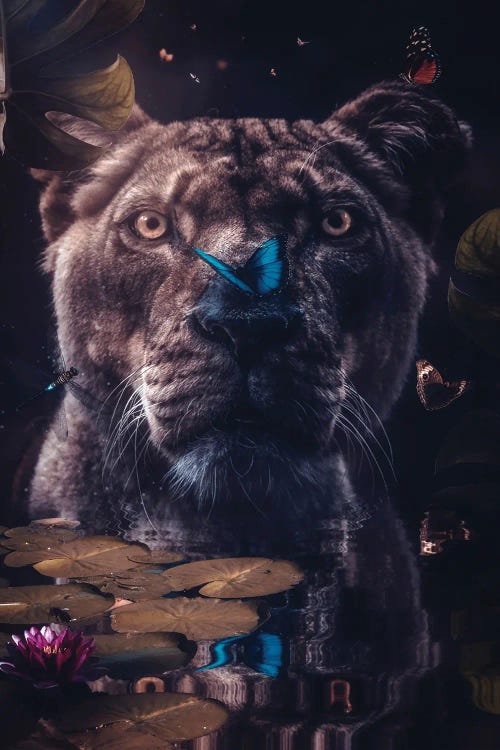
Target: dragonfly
x=62, y=377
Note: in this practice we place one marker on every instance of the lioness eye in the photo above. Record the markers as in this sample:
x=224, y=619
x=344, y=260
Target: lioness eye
x=337, y=222
x=149, y=224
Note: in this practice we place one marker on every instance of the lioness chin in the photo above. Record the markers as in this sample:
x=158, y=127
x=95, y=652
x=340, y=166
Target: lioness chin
x=216, y=398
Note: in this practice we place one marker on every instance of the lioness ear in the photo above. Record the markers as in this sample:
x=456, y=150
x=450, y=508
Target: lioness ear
x=415, y=139
x=56, y=199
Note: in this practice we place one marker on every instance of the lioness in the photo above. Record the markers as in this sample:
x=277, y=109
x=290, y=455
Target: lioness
x=236, y=398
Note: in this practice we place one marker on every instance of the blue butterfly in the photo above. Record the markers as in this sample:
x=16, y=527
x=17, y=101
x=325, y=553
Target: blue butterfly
x=265, y=272
x=262, y=652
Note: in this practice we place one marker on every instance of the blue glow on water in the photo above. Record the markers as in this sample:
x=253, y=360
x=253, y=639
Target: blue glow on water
x=262, y=652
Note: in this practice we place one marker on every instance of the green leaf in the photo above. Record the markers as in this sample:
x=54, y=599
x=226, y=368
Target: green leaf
x=23, y=45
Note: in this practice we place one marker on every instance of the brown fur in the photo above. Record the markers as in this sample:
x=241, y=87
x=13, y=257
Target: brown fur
x=125, y=306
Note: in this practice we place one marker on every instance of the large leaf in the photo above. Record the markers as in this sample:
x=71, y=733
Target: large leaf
x=37, y=142
x=235, y=577
x=104, y=96
x=132, y=655
x=36, y=59
x=93, y=555
x=30, y=605
x=196, y=618
x=165, y=716
x=24, y=45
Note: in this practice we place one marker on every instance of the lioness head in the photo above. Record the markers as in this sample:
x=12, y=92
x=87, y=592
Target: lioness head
x=238, y=389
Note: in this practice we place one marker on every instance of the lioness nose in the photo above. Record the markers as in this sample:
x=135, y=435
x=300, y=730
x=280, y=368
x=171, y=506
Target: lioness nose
x=247, y=326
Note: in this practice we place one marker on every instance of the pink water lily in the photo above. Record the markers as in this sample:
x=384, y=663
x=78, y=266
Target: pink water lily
x=48, y=658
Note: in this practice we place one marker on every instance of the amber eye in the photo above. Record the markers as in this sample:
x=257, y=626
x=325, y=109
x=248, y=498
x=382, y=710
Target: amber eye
x=149, y=224
x=337, y=222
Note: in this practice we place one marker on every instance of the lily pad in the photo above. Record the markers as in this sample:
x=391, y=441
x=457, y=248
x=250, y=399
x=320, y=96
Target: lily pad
x=36, y=533
x=132, y=655
x=136, y=587
x=157, y=557
x=196, y=618
x=59, y=523
x=30, y=605
x=234, y=577
x=93, y=555
x=165, y=716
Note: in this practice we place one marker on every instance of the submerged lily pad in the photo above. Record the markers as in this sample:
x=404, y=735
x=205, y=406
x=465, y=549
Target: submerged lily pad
x=132, y=655
x=136, y=587
x=93, y=555
x=59, y=523
x=165, y=716
x=156, y=557
x=235, y=577
x=195, y=618
x=29, y=605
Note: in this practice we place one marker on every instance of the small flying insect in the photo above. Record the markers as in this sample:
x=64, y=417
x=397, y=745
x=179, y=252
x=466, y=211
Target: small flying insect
x=301, y=43
x=61, y=377
x=195, y=78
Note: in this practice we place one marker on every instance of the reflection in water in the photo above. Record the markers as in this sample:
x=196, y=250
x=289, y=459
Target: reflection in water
x=440, y=526
x=339, y=661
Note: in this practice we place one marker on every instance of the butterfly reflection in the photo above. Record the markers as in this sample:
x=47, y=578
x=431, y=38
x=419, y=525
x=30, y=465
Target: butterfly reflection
x=61, y=377
x=262, y=652
x=265, y=272
x=422, y=62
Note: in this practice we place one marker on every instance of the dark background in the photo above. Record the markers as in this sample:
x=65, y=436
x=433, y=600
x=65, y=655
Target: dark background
x=352, y=45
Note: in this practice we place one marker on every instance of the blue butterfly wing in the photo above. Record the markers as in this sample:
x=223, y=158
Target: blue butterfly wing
x=223, y=269
x=267, y=270
x=264, y=653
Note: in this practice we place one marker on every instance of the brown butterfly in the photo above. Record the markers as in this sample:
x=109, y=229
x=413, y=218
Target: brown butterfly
x=433, y=391
x=422, y=64
x=167, y=56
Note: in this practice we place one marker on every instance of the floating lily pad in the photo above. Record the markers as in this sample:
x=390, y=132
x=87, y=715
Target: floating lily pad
x=165, y=716
x=157, y=557
x=93, y=555
x=30, y=605
x=132, y=655
x=195, y=618
x=136, y=587
x=36, y=533
x=59, y=523
x=234, y=577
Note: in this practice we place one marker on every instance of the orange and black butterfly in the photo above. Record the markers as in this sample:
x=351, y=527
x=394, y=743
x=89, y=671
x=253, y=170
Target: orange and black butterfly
x=422, y=64
x=433, y=391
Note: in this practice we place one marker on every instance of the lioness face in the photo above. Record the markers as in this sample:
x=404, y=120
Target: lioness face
x=229, y=382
